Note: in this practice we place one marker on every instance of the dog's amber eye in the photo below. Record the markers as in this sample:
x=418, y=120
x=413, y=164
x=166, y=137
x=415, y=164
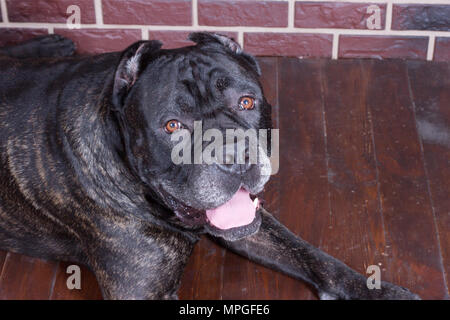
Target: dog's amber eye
x=172, y=126
x=247, y=103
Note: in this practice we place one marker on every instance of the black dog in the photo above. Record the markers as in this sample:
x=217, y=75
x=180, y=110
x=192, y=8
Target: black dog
x=86, y=173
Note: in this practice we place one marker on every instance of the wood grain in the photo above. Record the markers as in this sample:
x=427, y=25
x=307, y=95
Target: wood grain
x=304, y=203
x=27, y=278
x=355, y=231
x=2, y=260
x=430, y=92
x=203, y=276
x=89, y=287
x=414, y=257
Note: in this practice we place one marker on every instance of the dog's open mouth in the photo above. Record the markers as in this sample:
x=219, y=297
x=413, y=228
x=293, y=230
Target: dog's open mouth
x=239, y=211
x=235, y=219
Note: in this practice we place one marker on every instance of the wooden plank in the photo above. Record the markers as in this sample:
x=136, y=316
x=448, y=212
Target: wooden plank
x=2, y=259
x=202, y=278
x=414, y=256
x=304, y=203
x=430, y=91
x=269, y=82
x=355, y=231
x=23, y=277
x=89, y=287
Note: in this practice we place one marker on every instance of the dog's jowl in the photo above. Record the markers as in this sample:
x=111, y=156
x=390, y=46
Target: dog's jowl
x=86, y=169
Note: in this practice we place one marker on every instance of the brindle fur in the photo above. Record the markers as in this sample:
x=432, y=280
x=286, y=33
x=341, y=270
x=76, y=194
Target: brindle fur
x=67, y=193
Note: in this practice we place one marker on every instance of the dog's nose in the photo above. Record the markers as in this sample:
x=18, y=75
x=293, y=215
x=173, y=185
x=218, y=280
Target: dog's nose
x=234, y=168
x=235, y=161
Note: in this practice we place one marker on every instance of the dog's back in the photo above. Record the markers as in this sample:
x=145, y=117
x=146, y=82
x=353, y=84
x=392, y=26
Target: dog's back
x=35, y=96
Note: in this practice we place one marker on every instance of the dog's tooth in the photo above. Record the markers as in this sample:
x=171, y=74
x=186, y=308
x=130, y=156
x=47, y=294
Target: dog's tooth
x=256, y=203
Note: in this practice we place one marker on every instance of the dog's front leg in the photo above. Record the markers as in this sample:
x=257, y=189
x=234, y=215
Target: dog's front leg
x=274, y=246
x=139, y=263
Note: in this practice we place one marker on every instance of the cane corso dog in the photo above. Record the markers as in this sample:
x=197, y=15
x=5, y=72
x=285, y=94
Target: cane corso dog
x=86, y=172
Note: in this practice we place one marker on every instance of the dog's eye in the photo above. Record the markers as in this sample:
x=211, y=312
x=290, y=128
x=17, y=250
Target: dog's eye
x=246, y=103
x=172, y=126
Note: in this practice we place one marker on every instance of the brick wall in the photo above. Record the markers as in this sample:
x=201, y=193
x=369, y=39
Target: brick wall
x=414, y=29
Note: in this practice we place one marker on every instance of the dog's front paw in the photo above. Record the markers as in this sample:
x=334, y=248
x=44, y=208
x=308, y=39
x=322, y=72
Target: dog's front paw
x=360, y=291
x=328, y=296
x=389, y=291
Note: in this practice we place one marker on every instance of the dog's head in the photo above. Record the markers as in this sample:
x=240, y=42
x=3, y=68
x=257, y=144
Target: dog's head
x=167, y=100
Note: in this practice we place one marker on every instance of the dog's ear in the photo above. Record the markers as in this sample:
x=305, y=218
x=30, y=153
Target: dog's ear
x=132, y=63
x=205, y=38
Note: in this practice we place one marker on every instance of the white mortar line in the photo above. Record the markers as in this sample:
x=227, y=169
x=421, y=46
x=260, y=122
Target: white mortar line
x=335, y=49
x=430, y=50
x=423, y=33
x=5, y=18
x=240, y=39
x=194, y=13
x=98, y=12
x=291, y=13
x=144, y=34
x=388, y=16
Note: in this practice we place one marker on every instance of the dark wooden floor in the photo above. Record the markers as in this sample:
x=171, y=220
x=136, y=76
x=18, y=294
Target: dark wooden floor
x=364, y=175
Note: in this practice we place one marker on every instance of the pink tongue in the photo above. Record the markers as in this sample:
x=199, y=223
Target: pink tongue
x=238, y=211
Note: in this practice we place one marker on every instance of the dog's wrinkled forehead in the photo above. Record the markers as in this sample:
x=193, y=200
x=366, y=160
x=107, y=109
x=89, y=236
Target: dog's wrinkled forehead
x=203, y=75
x=197, y=76
x=207, y=74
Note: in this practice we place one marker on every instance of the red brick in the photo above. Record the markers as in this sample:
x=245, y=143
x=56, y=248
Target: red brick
x=442, y=49
x=177, y=39
x=288, y=44
x=11, y=36
x=48, y=11
x=421, y=17
x=243, y=13
x=335, y=15
x=382, y=47
x=92, y=41
x=148, y=12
